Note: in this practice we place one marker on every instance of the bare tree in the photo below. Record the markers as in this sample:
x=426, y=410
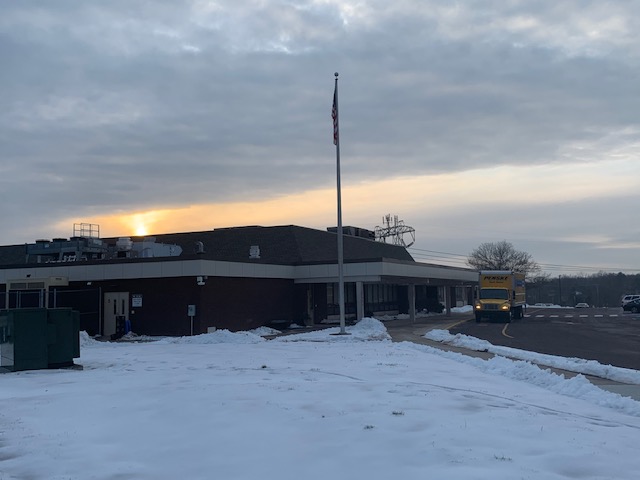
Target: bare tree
x=502, y=256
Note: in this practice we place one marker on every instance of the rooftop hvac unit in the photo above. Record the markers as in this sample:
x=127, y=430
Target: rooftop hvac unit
x=124, y=244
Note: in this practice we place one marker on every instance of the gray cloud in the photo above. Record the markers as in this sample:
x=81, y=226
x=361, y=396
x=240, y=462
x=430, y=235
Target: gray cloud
x=116, y=106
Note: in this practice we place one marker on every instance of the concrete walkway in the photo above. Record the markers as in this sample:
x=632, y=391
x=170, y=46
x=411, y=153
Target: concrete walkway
x=405, y=331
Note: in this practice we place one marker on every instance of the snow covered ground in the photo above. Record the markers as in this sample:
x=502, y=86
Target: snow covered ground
x=311, y=405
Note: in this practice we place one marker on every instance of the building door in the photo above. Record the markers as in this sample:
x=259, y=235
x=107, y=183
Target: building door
x=319, y=302
x=309, y=318
x=116, y=304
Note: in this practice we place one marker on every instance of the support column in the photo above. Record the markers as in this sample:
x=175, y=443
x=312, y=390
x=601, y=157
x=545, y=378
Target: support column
x=359, y=301
x=411, y=290
x=470, y=296
x=447, y=300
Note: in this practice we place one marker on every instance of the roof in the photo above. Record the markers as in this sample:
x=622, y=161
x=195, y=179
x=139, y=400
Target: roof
x=280, y=245
x=13, y=255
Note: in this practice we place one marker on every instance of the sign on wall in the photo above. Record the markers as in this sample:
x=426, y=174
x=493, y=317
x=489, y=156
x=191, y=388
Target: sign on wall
x=136, y=300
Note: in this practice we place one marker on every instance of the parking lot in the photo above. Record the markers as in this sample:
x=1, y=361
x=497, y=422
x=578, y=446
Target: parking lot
x=607, y=335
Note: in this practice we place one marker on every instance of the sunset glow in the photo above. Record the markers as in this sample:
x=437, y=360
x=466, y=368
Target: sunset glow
x=140, y=225
x=365, y=204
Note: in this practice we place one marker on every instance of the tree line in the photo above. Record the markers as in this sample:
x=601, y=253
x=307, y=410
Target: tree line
x=599, y=289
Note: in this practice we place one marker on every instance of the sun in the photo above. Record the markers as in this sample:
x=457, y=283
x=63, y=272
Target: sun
x=140, y=225
x=141, y=230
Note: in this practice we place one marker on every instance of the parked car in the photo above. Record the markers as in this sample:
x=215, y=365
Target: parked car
x=633, y=306
x=628, y=298
x=582, y=305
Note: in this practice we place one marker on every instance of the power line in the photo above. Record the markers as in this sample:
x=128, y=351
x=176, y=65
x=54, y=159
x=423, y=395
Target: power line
x=456, y=259
x=461, y=260
x=580, y=268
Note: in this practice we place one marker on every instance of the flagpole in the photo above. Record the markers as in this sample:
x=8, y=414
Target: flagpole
x=336, y=140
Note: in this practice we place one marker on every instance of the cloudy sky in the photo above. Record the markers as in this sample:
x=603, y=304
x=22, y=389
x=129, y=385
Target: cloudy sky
x=472, y=121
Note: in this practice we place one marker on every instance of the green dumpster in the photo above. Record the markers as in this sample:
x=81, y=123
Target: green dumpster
x=38, y=338
x=24, y=345
x=63, y=339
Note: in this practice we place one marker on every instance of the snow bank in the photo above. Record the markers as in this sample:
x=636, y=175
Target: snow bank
x=86, y=340
x=219, y=336
x=264, y=331
x=366, y=329
x=464, y=309
x=577, y=365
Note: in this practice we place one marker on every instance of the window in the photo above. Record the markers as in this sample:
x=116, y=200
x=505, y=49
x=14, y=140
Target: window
x=381, y=297
x=494, y=293
x=333, y=298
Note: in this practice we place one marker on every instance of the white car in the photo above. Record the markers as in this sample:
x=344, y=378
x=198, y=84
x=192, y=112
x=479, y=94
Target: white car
x=627, y=298
x=582, y=305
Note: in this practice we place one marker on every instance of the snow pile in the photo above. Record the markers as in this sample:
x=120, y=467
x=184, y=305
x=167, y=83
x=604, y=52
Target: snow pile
x=134, y=337
x=86, y=340
x=577, y=387
x=219, y=336
x=295, y=326
x=265, y=331
x=367, y=329
x=464, y=309
x=458, y=340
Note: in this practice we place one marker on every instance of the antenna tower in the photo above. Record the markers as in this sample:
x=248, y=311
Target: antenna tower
x=394, y=230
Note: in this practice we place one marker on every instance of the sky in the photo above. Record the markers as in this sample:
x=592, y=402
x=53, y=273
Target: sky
x=513, y=120
x=312, y=405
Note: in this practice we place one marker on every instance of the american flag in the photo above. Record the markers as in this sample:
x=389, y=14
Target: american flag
x=334, y=115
